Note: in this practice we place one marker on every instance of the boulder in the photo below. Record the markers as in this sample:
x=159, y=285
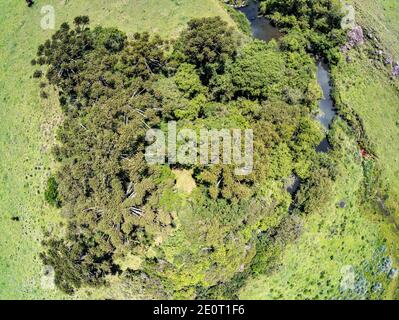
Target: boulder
x=388, y=60
x=395, y=70
x=355, y=38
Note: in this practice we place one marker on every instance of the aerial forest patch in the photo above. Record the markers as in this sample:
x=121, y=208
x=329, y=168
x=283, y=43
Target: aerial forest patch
x=112, y=89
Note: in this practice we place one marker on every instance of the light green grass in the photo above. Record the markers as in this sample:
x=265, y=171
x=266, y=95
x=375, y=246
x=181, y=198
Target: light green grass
x=381, y=16
x=366, y=87
x=336, y=243
x=27, y=123
x=371, y=94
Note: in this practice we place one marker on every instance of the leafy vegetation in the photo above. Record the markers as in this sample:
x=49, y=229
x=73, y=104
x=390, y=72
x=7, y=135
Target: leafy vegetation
x=346, y=247
x=319, y=22
x=333, y=259
x=112, y=89
x=51, y=193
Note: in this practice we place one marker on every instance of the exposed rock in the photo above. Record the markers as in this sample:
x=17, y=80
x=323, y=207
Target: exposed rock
x=385, y=266
x=393, y=273
x=370, y=36
x=388, y=60
x=395, y=70
x=237, y=3
x=348, y=59
x=377, y=288
x=355, y=38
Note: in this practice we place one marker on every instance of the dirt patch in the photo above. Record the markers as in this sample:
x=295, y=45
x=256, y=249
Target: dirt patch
x=184, y=181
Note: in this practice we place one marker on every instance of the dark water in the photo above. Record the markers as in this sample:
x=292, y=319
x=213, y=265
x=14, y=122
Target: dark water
x=261, y=27
x=263, y=30
x=327, y=110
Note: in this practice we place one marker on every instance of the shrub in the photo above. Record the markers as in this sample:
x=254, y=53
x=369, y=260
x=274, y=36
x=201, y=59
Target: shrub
x=51, y=194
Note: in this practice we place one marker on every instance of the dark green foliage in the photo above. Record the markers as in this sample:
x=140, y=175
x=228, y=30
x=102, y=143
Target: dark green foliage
x=207, y=44
x=38, y=74
x=78, y=261
x=106, y=92
x=81, y=21
x=112, y=39
x=314, y=194
x=51, y=194
x=318, y=20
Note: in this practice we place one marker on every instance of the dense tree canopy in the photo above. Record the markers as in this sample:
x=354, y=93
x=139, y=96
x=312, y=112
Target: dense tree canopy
x=112, y=90
x=318, y=20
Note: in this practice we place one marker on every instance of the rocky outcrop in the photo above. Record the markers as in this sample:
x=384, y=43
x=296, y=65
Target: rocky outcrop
x=388, y=60
x=355, y=38
x=395, y=70
x=236, y=3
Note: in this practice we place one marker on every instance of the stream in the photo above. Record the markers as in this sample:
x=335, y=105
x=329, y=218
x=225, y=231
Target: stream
x=262, y=29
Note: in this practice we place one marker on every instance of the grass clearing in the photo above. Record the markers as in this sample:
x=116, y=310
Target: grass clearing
x=373, y=96
x=184, y=181
x=27, y=123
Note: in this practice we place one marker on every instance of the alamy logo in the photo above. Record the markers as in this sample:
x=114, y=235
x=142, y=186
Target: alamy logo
x=206, y=147
x=48, y=20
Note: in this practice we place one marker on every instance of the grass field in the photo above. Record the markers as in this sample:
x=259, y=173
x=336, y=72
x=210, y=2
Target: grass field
x=27, y=123
x=381, y=16
x=373, y=96
x=366, y=87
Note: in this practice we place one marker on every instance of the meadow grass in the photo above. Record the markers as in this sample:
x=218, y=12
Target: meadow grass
x=382, y=16
x=28, y=123
x=372, y=95
x=367, y=88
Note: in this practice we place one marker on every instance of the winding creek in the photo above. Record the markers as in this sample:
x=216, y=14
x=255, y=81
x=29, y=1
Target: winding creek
x=262, y=29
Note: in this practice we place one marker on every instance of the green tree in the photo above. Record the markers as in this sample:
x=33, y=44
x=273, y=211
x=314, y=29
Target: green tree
x=51, y=194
